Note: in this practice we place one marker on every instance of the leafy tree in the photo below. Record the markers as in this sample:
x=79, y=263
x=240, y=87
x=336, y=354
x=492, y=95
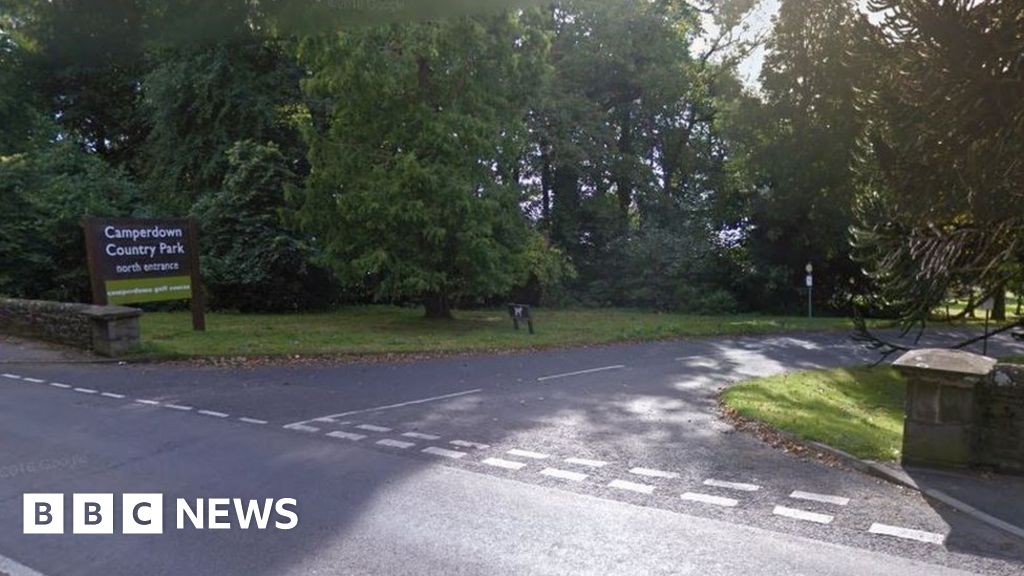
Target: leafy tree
x=625, y=147
x=943, y=205
x=408, y=191
x=199, y=101
x=796, y=143
x=250, y=262
x=45, y=193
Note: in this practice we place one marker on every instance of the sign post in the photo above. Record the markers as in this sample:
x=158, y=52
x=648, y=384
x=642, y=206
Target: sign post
x=810, y=287
x=520, y=312
x=144, y=260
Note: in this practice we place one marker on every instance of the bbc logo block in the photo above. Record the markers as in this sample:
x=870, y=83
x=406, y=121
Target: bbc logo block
x=92, y=513
x=43, y=514
x=95, y=513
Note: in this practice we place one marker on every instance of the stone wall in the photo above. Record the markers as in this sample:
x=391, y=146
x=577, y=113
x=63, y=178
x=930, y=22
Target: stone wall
x=106, y=330
x=1000, y=428
x=962, y=409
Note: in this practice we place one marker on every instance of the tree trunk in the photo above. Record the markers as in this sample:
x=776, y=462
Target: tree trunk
x=999, y=304
x=437, y=306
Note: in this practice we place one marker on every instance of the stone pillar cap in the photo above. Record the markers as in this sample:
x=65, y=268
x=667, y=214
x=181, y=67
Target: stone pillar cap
x=946, y=360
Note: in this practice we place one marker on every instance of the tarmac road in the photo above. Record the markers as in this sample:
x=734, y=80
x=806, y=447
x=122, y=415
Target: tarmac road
x=605, y=460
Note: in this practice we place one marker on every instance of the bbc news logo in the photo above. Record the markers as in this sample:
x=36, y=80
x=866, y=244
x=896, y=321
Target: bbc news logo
x=144, y=513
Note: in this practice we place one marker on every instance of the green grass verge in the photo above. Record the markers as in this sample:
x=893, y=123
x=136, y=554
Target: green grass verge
x=859, y=410
x=390, y=329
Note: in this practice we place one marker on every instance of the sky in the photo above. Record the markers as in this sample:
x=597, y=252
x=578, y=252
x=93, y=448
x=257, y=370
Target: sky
x=760, y=23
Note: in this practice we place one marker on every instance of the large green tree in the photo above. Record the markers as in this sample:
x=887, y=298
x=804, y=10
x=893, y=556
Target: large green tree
x=411, y=190
x=943, y=205
x=796, y=146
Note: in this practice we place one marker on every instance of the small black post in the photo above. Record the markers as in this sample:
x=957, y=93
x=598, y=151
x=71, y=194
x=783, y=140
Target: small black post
x=984, y=344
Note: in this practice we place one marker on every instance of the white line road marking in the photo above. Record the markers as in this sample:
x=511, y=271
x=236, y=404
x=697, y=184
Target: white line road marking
x=907, y=533
x=396, y=443
x=653, y=473
x=373, y=428
x=346, y=435
x=564, y=474
x=302, y=428
x=252, y=420
x=732, y=485
x=421, y=436
x=212, y=413
x=177, y=407
x=506, y=464
x=802, y=515
x=578, y=372
x=443, y=452
x=325, y=420
x=13, y=568
x=33, y=380
x=398, y=405
x=148, y=402
x=631, y=486
x=11, y=376
x=709, y=499
x=729, y=352
x=815, y=497
x=64, y=386
x=468, y=444
x=526, y=454
x=85, y=390
x=586, y=462
x=107, y=394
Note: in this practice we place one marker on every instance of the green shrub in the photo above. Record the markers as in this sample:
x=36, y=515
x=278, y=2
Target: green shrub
x=250, y=260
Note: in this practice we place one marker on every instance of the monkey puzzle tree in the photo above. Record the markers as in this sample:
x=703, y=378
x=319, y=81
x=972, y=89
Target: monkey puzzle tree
x=943, y=204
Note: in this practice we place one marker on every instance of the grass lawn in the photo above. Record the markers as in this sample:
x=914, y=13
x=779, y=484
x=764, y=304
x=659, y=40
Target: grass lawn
x=390, y=329
x=859, y=410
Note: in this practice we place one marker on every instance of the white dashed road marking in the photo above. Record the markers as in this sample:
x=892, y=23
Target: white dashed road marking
x=178, y=407
x=802, y=515
x=586, y=462
x=212, y=413
x=653, y=473
x=64, y=386
x=564, y=474
x=527, y=454
x=468, y=444
x=303, y=428
x=732, y=485
x=346, y=435
x=709, y=499
x=373, y=428
x=631, y=486
x=815, y=497
x=107, y=394
x=443, y=452
x=11, y=376
x=421, y=436
x=33, y=380
x=506, y=464
x=578, y=372
x=147, y=402
x=85, y=390
x=252, y=420
x=907, y=533
x=396, y=443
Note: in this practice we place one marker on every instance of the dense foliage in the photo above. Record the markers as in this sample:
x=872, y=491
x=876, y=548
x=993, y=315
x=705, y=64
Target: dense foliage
x=594, y=152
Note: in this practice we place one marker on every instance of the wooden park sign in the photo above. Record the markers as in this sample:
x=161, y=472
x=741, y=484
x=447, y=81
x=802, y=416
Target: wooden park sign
x=144, y=260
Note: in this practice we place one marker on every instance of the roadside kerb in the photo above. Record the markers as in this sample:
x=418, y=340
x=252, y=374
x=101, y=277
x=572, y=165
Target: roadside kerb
x=901, y=478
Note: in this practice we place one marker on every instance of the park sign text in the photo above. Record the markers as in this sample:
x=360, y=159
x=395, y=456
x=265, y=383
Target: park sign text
x=144, y=260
